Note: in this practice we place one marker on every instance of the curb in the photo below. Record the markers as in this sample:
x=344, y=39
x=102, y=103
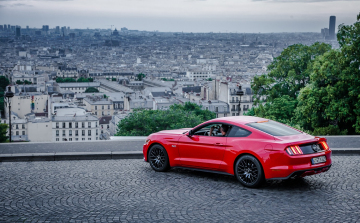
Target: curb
x=29, y=157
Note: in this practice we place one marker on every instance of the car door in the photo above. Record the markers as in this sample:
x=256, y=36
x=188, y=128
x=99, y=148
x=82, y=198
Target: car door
x=201, y=150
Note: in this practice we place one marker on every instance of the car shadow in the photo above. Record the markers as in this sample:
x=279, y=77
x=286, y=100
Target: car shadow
x=289, y=184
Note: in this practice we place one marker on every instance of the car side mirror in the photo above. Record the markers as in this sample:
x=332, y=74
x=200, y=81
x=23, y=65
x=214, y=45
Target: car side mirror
x=190, y=133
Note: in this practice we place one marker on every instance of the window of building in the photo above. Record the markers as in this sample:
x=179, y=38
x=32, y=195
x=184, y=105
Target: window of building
x=89, y=139
x=64, y=134
x=23, y=126
x=17, y=133
x=95, y=113
x=95, y=107
x=23, y=133
x=108, y=106
x=102, y=107
x=89, y=132
x=102, y=113
x=17, y=126
x=97, y=132
x=83, y=132
x=83, y=125
x=89, y=124
x=64, y=125
x=107, y=126
x=76, y=133
x=57, y=132
x=70, y=124
x=97, y=138
x=76, y=125
x=57, y=139
x=76, y=139
x=216, y=109
x=96, y=124
x=83, y=139
x=70, y=132
x=70, y=139
x=57, y=125
x=64, y=139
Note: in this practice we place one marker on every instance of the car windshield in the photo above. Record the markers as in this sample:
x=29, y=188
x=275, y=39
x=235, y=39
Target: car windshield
x=274, y=128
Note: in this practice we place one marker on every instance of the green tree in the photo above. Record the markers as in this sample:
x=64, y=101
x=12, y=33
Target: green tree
x=91, y=90
x=69, y=80
x=3, y=131
x=19, y=82
x=288, y=74
x=113, y=79
x=83, y=79
x=3, y=83
x=27, y=82
x=331, y=103
x=59, y=80
x=145, y=122
x=140, y=77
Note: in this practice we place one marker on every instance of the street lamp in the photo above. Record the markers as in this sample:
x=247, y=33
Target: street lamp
x=240, y=93
x=9, y=94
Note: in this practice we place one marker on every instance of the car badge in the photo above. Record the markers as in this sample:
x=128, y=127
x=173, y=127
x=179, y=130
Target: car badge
x=315, y=148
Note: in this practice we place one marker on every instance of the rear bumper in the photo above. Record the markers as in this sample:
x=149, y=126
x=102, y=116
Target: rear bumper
x=297, y=166
x=303, y=173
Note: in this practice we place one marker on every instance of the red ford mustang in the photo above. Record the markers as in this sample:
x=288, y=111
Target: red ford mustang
x=251, y=148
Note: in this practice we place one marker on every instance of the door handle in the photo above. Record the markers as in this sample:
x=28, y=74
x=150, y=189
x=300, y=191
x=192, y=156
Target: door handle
x=218, y=144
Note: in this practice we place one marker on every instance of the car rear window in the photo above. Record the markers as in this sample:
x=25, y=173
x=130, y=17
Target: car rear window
x=274, y=128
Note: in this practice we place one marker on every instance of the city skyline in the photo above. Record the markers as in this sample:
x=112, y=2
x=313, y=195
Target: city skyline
x=249, y=16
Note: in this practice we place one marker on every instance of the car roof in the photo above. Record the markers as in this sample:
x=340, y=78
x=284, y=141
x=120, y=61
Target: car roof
x=240, y=119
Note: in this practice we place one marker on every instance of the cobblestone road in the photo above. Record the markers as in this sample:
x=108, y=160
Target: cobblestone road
x=129, y=191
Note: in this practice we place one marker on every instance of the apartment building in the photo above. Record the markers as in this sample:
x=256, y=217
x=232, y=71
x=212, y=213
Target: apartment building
x=78, y=87
x=75, y=128
x=98, y=105
x=25, y=103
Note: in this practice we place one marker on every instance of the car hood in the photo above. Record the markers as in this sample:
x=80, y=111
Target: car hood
x=175, y=131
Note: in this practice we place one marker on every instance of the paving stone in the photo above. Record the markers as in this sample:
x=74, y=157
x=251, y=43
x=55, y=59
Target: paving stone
x=130, y=191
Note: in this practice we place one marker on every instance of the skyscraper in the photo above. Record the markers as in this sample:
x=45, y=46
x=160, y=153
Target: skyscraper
x=18, y=31
x=332, y=23
x=45, y=28
x=57, y=29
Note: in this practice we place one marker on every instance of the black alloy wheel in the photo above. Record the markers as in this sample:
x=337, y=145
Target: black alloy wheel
x=158, y=158
x=248, y=171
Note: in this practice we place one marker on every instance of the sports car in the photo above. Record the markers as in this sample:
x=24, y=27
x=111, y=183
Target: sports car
x=250, y=148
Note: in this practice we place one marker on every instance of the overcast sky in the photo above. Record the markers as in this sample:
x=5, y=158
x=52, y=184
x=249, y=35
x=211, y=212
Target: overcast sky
x=247, y=16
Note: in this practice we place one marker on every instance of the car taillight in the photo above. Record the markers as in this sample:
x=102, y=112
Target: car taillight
x=324, y=145
x=294, y=150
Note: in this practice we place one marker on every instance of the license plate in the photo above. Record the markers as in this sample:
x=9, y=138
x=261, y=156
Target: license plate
x=320, y=159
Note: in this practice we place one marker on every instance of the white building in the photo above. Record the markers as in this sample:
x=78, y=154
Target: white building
x=79, y=87
x=193, y=75
x=70, y=124
x=25, y=103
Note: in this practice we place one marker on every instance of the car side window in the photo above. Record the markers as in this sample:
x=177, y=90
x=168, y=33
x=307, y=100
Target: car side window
x=203, y=131
x=236, y=131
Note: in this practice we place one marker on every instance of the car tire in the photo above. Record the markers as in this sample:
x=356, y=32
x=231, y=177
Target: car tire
x=158, y=158
x=249, y=172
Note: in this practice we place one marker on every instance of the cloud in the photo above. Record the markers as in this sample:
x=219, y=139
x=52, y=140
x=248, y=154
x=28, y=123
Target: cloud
x=303, y=1
x=35, y=0
x=20, y=5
